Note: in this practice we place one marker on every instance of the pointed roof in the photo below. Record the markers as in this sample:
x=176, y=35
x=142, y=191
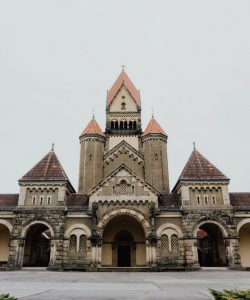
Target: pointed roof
x=92, y=128
x=199, y=168
x=154, y=128
x=47, y=169
x=123, y=79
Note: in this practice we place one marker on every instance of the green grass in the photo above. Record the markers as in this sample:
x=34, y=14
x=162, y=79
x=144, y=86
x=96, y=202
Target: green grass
x=230, y=294
x=7, y=297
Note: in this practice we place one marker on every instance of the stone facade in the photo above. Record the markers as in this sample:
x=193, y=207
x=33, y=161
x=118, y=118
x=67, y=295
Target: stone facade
x=124, y=215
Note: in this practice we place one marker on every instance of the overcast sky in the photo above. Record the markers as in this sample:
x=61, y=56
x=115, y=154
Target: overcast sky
x=190, y=60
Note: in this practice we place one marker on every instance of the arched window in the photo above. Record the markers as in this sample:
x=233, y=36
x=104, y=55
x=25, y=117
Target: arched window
x=125, y=125
x=121, y=125
x=123, y=187
x=134, y=125
x=175, y=244
x=123, y=106
x=83, y=244
x=72, y=243
x=112, y=125
x=164, y=245
x=130, y=125
x=116, y=125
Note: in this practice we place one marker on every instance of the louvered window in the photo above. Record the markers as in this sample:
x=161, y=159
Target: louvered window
x=164, y=245
x=83, y=244
x=123, y=187
x=72, y=243
x=175, y=244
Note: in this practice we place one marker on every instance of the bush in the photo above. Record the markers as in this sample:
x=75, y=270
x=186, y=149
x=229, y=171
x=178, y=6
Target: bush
x=230, y=295
x=7, y=297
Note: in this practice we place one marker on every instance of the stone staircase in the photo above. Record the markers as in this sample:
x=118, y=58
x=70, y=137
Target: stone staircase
x=123, y=269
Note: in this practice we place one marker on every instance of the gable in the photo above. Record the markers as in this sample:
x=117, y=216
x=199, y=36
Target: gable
x=123, y=185
x=123, y=96
x=123, y=153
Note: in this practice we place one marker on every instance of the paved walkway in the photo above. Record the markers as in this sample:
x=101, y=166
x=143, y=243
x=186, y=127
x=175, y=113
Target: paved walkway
x=40, y=285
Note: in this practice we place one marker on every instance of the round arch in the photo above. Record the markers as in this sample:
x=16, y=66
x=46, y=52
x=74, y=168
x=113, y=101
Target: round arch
x=222, y=228
x=28, y=226
x=77, y=226
x=169, y=226
x=124, y=211
x=7, y=224
x=242, y=223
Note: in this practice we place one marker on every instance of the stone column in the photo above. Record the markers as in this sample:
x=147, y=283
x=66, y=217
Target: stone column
x=233, y=252
x=16, y=252
x=191, y=255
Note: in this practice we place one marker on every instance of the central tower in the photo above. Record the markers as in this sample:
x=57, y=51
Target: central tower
x=123, y=114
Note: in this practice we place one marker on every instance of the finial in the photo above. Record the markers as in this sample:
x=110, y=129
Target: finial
x=93, y=112
x=52, y=147
x=152, y=112
x=123, y=67
x=194, y=145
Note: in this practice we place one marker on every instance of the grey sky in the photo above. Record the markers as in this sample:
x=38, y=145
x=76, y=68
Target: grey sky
x=190, y=59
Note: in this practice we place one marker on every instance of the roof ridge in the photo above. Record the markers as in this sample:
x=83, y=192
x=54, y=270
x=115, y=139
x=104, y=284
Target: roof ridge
x=47, y=165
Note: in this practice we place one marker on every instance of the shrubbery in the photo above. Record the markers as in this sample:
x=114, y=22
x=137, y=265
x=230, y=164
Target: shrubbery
x=7, y=297
x=230, y=295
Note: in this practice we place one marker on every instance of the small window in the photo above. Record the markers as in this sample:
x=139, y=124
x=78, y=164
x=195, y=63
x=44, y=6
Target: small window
x=123, y=106
x=41, y=200
x=213, y=199
x=90, y=157
x=156, y=156
x=34, y=200
x=133, y=189
x=198, y=200
x=206, y=199
x=113, y=189
x=49, y=200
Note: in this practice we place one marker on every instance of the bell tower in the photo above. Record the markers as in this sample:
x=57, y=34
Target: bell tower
x=154, y=141
x=123, y=113
x=92, y=142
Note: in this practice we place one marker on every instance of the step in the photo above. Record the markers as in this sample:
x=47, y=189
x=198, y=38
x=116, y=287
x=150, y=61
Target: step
x=34, y=268
x=124, y=269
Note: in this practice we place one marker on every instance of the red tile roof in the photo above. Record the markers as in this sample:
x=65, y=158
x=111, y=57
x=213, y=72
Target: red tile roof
x=77, y=200
x=154, y=128
x=48, y=168
x=240, y=199
x=123, y=79
x=8, y=200
x=170, y=201
x=198, y=167
x=92, y=128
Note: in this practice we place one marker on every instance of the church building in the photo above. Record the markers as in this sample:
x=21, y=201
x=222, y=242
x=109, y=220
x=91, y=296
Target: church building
x=124, y=215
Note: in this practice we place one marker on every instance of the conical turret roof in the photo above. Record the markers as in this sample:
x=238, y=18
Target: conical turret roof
x=154, y=128
x=48, y=168
x=123, y=79
x=92, y=128
x=199, y=168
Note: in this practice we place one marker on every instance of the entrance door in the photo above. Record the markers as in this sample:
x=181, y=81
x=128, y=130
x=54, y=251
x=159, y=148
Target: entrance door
x=124, y=256
x=211, y=247
x=37, y=246
x=124, y=247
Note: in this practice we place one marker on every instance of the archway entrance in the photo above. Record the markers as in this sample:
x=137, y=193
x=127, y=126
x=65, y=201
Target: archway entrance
x=123, y=243
x=4, y=245
x=211, y=247
x=37, y=246
x=244, y=235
